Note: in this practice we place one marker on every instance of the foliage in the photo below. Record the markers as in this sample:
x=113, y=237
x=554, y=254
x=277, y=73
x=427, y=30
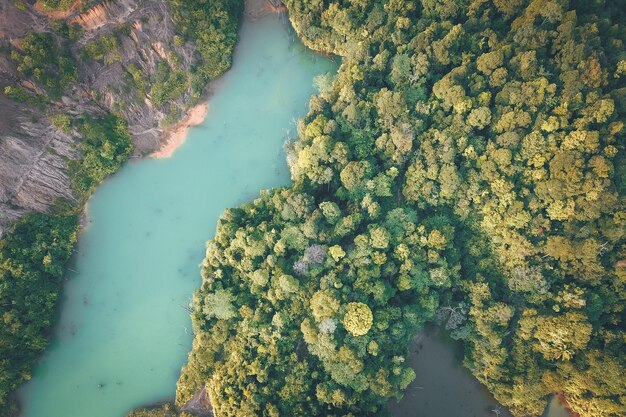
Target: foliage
x=20, y=4
x=464, y=160
x=62, y=122
x=32, y=261
x=40, y=57
x=212, y=26
x=315, y=343
x=20, y=94
x=56, y=4
x=104, y=48
x=168, y=85
x=138, y=80
x=358, y=319
x=105, y=147
x=71, y=31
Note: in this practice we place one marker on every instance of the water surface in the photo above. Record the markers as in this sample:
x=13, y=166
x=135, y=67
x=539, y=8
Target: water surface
x=443, y=387
x=123, y=333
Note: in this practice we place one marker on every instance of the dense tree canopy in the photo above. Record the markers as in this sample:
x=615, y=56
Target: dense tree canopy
x=106, y=145
x=463, y=166
x=32, y=264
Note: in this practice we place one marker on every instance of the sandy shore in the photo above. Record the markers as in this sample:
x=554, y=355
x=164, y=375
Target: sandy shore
x=176, y=135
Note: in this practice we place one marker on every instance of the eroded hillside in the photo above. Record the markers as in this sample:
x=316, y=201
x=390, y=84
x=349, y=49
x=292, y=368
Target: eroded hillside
x=129, y=60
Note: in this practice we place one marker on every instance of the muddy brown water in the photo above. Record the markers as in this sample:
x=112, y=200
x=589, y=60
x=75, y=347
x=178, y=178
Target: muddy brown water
x=443, y=387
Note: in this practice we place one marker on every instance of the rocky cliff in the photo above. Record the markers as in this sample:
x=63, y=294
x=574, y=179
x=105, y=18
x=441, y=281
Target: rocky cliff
x=33, y=153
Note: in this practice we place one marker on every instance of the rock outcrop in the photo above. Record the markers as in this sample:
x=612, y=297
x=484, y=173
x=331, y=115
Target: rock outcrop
x=150, y=41
x=34, y=154
x=200, y=404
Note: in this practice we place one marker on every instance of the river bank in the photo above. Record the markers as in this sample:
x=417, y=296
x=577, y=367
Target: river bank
x=172, y=138
x=175, y=137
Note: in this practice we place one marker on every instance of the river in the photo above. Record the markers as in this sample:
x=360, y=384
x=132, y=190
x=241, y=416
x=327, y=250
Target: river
x=123, y=332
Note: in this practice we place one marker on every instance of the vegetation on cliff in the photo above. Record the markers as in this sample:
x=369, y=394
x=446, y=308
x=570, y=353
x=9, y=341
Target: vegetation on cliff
x=50, y=65
x=54, y=5
x=463, y=167
x=212, y=26
x=106, y=145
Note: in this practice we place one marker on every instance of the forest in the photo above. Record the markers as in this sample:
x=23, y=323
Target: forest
x=464, y=167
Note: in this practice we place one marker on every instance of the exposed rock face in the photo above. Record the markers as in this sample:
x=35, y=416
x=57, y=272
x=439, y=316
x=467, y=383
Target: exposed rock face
x=16, y=23
x=33, y=162
x=33, y=154
x=150, y=41
x=200, y=404
x=255, y=9
x=105, y=13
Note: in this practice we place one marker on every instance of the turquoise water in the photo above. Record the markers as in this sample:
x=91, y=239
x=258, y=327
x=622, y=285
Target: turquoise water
x=123, y=333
